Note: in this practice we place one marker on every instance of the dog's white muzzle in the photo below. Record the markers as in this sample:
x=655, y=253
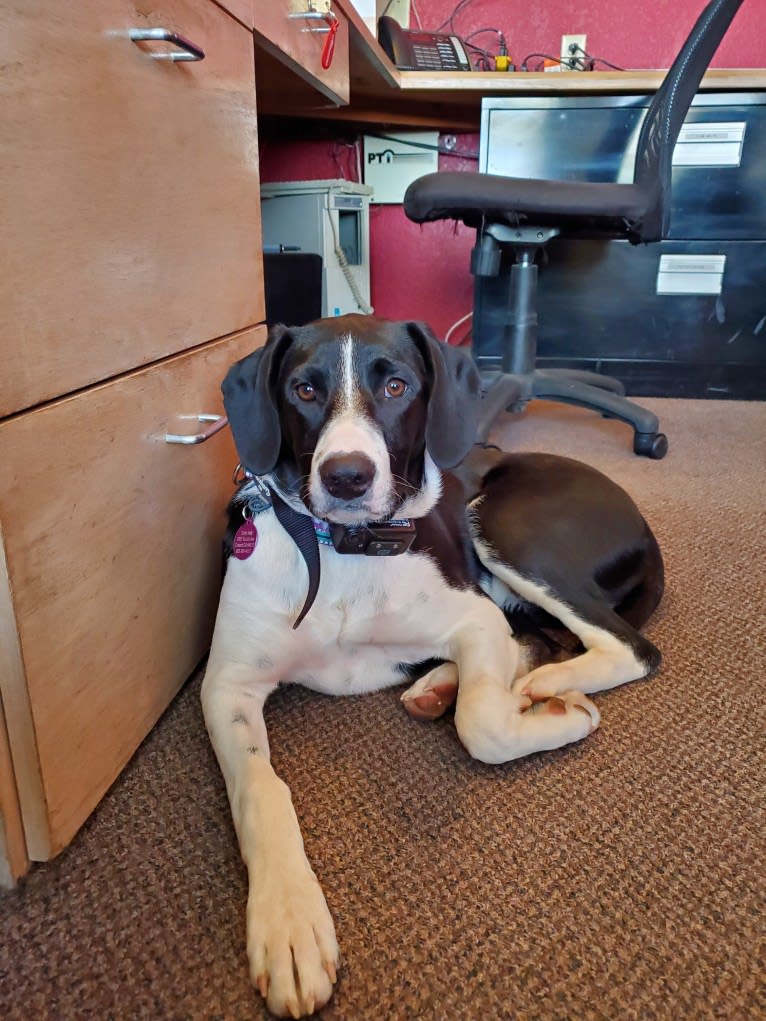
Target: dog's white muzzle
x=351, y=480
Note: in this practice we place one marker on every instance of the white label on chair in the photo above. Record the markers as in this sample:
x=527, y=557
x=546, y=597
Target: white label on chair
x=690, y=274
x=710, y=145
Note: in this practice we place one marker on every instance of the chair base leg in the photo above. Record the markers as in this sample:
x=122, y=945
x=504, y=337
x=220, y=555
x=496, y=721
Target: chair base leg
x=505, y=391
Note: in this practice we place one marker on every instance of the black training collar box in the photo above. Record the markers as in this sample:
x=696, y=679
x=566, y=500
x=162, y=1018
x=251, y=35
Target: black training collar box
x=380, y=539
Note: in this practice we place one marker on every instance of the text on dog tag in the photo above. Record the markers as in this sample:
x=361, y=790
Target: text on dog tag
x=245, y=540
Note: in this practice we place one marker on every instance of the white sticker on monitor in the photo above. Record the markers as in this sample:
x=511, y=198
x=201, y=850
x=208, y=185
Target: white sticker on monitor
x=690, y=274
x=710, y=145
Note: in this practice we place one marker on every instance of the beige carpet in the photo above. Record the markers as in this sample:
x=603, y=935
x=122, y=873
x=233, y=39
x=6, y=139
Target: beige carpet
x=621, y=878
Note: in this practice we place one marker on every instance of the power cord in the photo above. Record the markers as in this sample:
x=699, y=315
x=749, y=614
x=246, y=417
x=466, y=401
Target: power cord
x=543, y=56
x=455, y=325
x=586, y=60
x=340, y=255
x=591, y=60
x=490, y=61
x=486, y=61
x=449, y=21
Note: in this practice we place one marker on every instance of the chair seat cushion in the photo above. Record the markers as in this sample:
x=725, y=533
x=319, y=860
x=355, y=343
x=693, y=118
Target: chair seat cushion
x=585, y=208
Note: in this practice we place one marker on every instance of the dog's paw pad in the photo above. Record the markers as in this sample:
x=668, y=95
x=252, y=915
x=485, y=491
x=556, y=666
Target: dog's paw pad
x=431, y=704
x=433, y=693
x=564, y=704
x=538, y=689
x=576, y=700
x=556, y=705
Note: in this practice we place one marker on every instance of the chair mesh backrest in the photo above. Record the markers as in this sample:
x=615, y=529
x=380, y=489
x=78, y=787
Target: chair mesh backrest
x=668, y=109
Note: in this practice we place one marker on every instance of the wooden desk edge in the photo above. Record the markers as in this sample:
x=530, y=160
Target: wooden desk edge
x=571, y=82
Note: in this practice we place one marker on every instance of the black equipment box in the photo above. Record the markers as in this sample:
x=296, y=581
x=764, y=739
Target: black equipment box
x=683, y=317
x=293, y=287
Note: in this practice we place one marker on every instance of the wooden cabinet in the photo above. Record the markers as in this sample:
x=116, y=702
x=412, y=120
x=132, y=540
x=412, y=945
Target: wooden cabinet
x=113, y=547
x=292, y=34
x=13, y=846
x=241, y=9
x=132, y=280
x=130, y=183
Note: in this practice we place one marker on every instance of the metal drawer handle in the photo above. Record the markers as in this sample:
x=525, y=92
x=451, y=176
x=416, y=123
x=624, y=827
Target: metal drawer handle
x=330, y=19
x=217, y=422
x=188, y=50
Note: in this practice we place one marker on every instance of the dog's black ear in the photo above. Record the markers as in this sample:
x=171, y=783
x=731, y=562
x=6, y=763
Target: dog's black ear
x=250, y=400
x=454, y=397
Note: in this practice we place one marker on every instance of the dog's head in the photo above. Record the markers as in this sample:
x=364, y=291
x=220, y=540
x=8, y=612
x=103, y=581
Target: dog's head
x=350, y=415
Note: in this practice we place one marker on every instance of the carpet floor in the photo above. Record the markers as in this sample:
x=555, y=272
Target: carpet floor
x=620, y=878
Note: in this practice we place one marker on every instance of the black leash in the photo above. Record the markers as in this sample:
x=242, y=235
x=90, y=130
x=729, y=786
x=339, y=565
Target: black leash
x=300, y=528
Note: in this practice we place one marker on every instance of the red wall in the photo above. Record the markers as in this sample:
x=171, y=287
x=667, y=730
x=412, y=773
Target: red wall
x=422, y=272
x=633, y=34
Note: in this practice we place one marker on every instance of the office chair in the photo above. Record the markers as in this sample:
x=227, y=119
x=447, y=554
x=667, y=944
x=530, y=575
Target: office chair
x=524, y=215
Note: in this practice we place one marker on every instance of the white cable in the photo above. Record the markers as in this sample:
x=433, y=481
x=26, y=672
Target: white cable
x=346, y=270
x=455, y=325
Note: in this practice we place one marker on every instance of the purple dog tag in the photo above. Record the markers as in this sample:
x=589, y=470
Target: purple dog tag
x=245, y=540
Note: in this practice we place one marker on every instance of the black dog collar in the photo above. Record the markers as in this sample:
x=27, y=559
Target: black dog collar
x=378, y=539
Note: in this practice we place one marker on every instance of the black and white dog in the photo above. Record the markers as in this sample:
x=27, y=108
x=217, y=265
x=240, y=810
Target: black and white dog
x=342, y=425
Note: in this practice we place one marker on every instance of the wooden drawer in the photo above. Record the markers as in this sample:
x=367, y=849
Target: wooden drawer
x=131, y=227
x=242, y=9
x=113, y=546
x=13, y=849
x=297, y=43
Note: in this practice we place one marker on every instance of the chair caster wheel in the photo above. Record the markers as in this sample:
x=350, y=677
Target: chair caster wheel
x=654, y=445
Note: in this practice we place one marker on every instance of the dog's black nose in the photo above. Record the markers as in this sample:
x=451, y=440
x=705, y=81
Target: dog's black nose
x=347, y=476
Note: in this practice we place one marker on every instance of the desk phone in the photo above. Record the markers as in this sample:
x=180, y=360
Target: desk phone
x=421, y=51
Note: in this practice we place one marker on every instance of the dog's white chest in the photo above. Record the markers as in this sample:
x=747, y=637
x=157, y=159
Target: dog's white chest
x=370, y=616
x=368, y=599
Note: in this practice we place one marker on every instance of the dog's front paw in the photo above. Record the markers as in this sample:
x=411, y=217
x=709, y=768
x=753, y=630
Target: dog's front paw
x=548, y=681
x=432, y=695
x=560, y=705
x=291, y=941
x=495, y=725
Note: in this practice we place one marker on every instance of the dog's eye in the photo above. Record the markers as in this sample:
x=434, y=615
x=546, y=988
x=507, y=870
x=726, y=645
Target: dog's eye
x=306, y=392
x=395, y=387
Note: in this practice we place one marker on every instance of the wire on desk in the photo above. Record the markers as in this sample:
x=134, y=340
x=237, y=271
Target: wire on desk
x=543, y=56
x=597, y=60
x=487, y=59
x=458, y=8
x=481, y=31
x=585, y=58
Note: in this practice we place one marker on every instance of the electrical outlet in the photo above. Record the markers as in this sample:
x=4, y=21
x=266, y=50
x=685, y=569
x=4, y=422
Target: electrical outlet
x=399, y=10
x=572, y=47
